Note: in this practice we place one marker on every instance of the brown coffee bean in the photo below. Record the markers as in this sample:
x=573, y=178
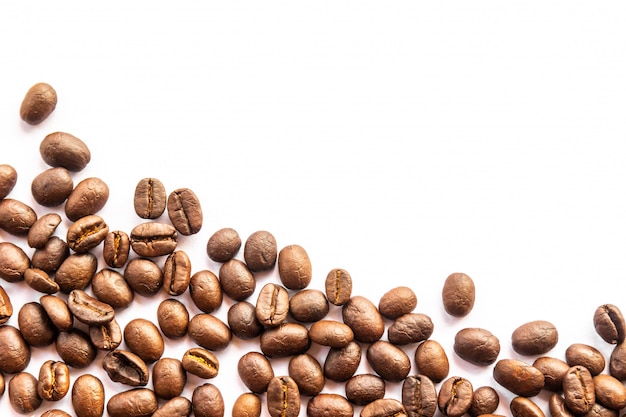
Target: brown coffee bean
x=61, y=149
x=88, y=396
x=13, y=262
x=598, y=410
x=8, y=179
x=578, y=390
x=458, y=294
x=364, y=388
x=243, y=322
x=534, y=338
x=38, y=103
x=388, y=361
x=54, y=380
x=587, y=356
x=150, y=198
x=410, y=328
x=58, y=311
x=223, y=245
x=431, y=360
x=294, y=267
x=177, y=272
x=617, y=361
x=553, y=371
x=42, y=230
x=341, y=363
x=2, y=384
x=40, y=281
x=609, y=391
x=168, y=378
x=209, y=332
x=329, y=405
x=55, y=413
x=331, y=333
x=477, y=346
x=364, y=319
x=35, y=325
x=255, y=371
x=557, y=407
x=308, y=306
x=201, y=362
x=419, y=396
x=51, y=256
x=484, y=401
x=207, y=401
x=307, y=373
x=288, y=339
x=144, y=276
x=88, y=309
x=176, y=407
x=247, y=405
x=106, y=336
x=75, y=348
x=609, y=323
x=338, y=286
x=524, y=407
x=384, y=407
x=23, y=393
x=206, y=291
x=137, y=402
x=455, y=396
x=173, y=318
x=283, y=397
x=397, y=302
x=52, y=187
x=14, y=351
x=16, y=217
x=518, y=377
x=116, y=248
x=126, y=368
x=260, y=251
x=76, y=272
x=153, y=239
x=144, y=339
x=185, y=211
x=88, y=197
x=110, y=287
x=237, y=280
x=272, y=306
x=6, y=308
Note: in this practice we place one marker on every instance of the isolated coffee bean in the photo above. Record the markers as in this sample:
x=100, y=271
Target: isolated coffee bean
x=173, y=318
x=524, y=407
x=205, y=290
x=201, y=362
x=587, y=356
x=364, y=388
x=6, y=308
x=42, y=230
x=338, y=286
x=518, y=377
x=51, y=256
x=126, y=368
x=458, y=294
x=609, y=323
x=553, y=370
x=578, y=390
x=16, y=217
x=13, y=262
x=14, y=351
x=294, y=267
x=431, y=360
x=364, y=319
x=137, y=402
x=326, y=405
x=609, y=391
x=534, y=338
x=288, y=339
x=341, y=363
x=8, y=179
x=484, y=401
x=54, y=380
x=247, y=405
x=52, y=187
x=153, y=239
x=185, y=211
x=169, y=377
x=76, y=272
x=388, y=361
x=176, y=407
x=260, y=251
x=617, y=361
x=61, y=149
x=144, y=276
x=384, y=407
x=283, y=397
x=397, y=302
x=455, y=396
x=88, y=309
x=116, y=248
x=272, y=306
x=223, y=245
x=88, y=396
x=177, y=272
x=419, y=396
x=35, y=325
x=110, y=287
x=207, y=401
x=410, y=328
x=23, y=393
x=243, y=322
x=209, y=332
x=331, y=333
x=477, y=346
x=58, y=312
x=307, y=373
x=144, y=339
x=150, y=198
x=40, y=281
x=75, y=348
x=237, y=280
x=38, y=103
x=308, y=306
x=255, y=371
x=88, y=197
x=106, y=336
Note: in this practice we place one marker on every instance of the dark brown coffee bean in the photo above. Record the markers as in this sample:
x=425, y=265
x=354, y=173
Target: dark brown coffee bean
x=294, y=267
x=153, y=239
x=307, y=373
x=88, y=197
x=331, y=333
x=484, y=401
x=329, y=405
x=207, y=401
x=455, y=396
x=419, y=396
x=150, y=198
x=54, y=380
x=75, y=348
x=176, y=407
x=397, y=302
x=388, y=361
x=255, y=371
x=458, y=294
x=247, y=405
x=185, y=211
x=52, y=187
x=137, y=402
x=609, y=391
x=206, y=291
x=364, y=319
x=209, y=332
x=177, y=272
x=283, y=397
x=236, y=280
x=308, y=306
x=8, y=179
x=168, y=378
x=110, y=287
x=223, y=245
x=609, y=323
x=55, y=413
x=260, y=251
x=40, y=281
x=6, y=308
x=58, y=312
x=578, y=390
x=617, y=361
x=106, y=336
x=88, y=309
x=201, y=362
x=524, y=407
x=364, y=388
x=553, y=371
x=61, y=149
x=35, y=325
x=16, y=217
x=384, y=407
x=272, y=306
x=341, y=363
x=410, y=328
x=144, y=276
x=23, y=393
x=557, y=407
x=534, y=338
x=243, y=322
x=14, y=351
x=76, y=272
x=116, y=248
x=173, y=318
x=477, y=346
x=587, y=356
x=431, y=360
x=38, y=103
x=126, y=368
x=518, y=377
x=288, y=339
x=338, y=286
x=13, y=262
x=144, y=339
x=88, y=396
x=51, y=256
x=42, y=230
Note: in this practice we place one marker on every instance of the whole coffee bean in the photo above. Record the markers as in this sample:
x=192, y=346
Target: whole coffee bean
x=6, y=308
x=35, y=325
x=177, y=272
x=168, y=378
x=207, y=401
x=247, y=405
x=206, y=291
x=484, y=401
x=42, y=230
x=410, y=328
x=617, y=361
x=294, y=267
x=397, y=302
x=524, y=407
x=308, y=306
x=388, y=361
x=144, y=276
x=307, y=373
x=54, y=380
x=518, y=377
x=364, y=319
x=52, y=187
x=534, y=338
x=419, y=396
x=260, y=251
x=14, y=351
x=144, y=339
x=609, y=323
x=288, y=339
x=556, y=405
x=58, y=312
x=431, y=360
x=88, y=197
x=578, y=390
x=23, y=393
x=125, y=367
x=13, y=262
x=116, y=248
x=609, y=391
x=243, y=322
x=458, y=294
x=338, y=286
x=587, y=356
x=553, y=371
x=176, y=407
x=16, y=217
x=88, y=396
x=384, y=407
x=55, y=413
x=477, y=346
x=283, y=397
x=8, y=179
x=184, y=211
x=88, y=309
x=201, y=362
x=173, y=318
x=38, y=103
x=75, y=348
x=153, y=239
x=209, y=332
x=106, y=336
x=341, y=363
x=455, y=396
x=237, y=280
x=598, y=410
x=331, y=333
x=40, y=281
x=150, y=198
x=51, y=256
x=76, y=272
x=255, y=371
x=223, y=245
x=137, y=402
x=110, y=287
x=61, y=149
x=329, y=405
x=364, y=388
x=272, y=306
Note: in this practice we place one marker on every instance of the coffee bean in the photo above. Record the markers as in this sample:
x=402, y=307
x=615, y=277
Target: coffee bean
x=518, y=377
x=106, y=336
x=609, y=391
x=255, y=371
x=272, y=306
x=243, y=322
x=6, y=308
x=237, y=280
x=329, y=405
x=116, y=248
x=288, y=339
x=173, y=318
x=341, y=363
x=553, y=371
x=364, y=388
x=35, y=325
x=578, y=390
x=52, y=187
x=58, y=312
x=153, y=239
x=388, y=361
x=201, y=362
x=176, y=407
x=150, y=198
x=8, y=179
x=364, y=319
x=484, y=401
x=13, y=262
x=283, y=397
x=585, y=355
x=14, y=351
x=331, y=333
x=598, y=410
x=410, y=328
x=397, y=302
x=51, y=256
x=209, y=332
x=76, y=272
x=524, y=407
x=110, y=287
x=557, y=407
x=294, y=267
x=61, y=149
x=260, y=251
x=144, y=339
x=458, y=294
x=617, y=361
x=75, y=348
x=184, y=211
x=338, y=286
x=88, y=396
x=431, y=360
x=308, y=306
x=54, y=380
x=168, y=378
x=144, y=276
x=23, y=393
x=125, y=367
x=206, y=291
x=207, y=401
x=477, y=346
x=419, y=396
x=42, y=230
x=384, y=407
x=534, y=338
x=307, y=373
x=88, y=309
x=88, y=197
x=247, y=405
x=609, y=323
x=223, y=245
x=38, y=103
x=177, y=272
x=137, y=402
x=55, y=413
x=455, y=396
x=40, y=281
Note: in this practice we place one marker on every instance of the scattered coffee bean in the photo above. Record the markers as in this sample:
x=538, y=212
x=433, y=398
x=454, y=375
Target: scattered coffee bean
x=6, y=308
x=40, y=281
x=338, y=286
x=518, y=377
x=88, y=396
x=331, y=333
x=525, y=407
x=308, y=306
x=223, y=245
x=364, y=388
x=247, y=405
x=144, y=339
x=14, y=351
x=553, y=371
x=76, y=272
x=144, y=276
x=153, y=239
x=260, y=251
x=207, y=401
x=283, y=397
x=484, y=401
x=55, y=413
x=410, y=328
x=587, y=356
x=397, y=302
x=431, y=360
x=342, y=363
x=476, y=345
x=89, y=310
x=243, y=322
x=51, y=256
x=384, y=407
x=388, y=361
x=23, y=393
x=326, y=405
x=61, y=149
x=288, y=339
x=35, y=325
x=255, y=371
x=237, y=280
x=578, y=390
x=116, y=248
x=209, y=332
x=272, y=306
x=126, y=368
x=609, y=391
x=556, y=405
x=455, y=396
x=534, y=338
x=419, y=396
x=307, y=373
x=38, y=103
x=52, y=187
x=75, y=348
x=137, y=402
x=458, y=294
x=185, y=211
x=54, y=380
x=58, y=312
x=106, y=336
x=609, y=323
x=8, y=179
x=13, y=262
x=364, y=319
x=206, y=291
x=173, y=318
x=176, y=407
x=150, y=198
x=177, y=272
x=201, y=362
x=110, y=287
x=169, y=377
x=294, y=267
x=88, y=197
x=42, y=230
x=617, y=361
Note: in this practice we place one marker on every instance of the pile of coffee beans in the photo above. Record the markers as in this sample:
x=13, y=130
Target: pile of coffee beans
x=88, y=275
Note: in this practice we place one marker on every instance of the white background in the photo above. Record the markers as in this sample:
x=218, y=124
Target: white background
x=402, y=141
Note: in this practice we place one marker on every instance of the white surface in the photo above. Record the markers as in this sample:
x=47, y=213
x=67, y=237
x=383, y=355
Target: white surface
x=401, y=141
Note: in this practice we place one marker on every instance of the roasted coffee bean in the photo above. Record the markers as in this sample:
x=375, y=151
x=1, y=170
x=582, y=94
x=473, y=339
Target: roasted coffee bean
x=308, y=374
x=364, y=388
x=2, y=384
x=168, y=378
x=137, y=402
x=338, y=286
x=223, y=245
x=58, y=312
x=388, y=361
x=518, y=377
x=288, y=339
x=13, y=262
x=35, y=325
x=6, y=308
x=410, y=328
x=14, y=351
x=484, y=401
x=110, y=287
x=75, y=348
x=556, y=405
x=255, y=371
x=206, y=291
x=8, y=179
x=153, y=239
x=144, y=339
x=283, y=397
x=534, y=338
x=150, y=198
x=272, y=306
x=88, y=309
x=260, y=251
x=16, y=217
x=209, y=332
x=54, y=380
x=247, y=405
x=177, y=272
x=477, y=346
x=578, y=390
x=431, y=360
x=331, y=333
x=23, y=393
x=243, y=322
x=76, y=272
x=201, y=362
x=397, y=302
x=173, y=318
x=40, y=281
x=341, y=363
x=524, y=407
x=587, y=356
x=42, y=230
x=364, y=319
x=176, y=407
x=144, y=276
x=609, y=391
x=329, y=405
x=553, y=371
x=419, y=396
x=236, y=280
x=116, y=248
x=52, y=187
x=88, y=396
x=51, y=256
x=384, y=407
x=455, y=396
x=88, y=197
x=184, y=211
x=38, y=103
x=126, y=368
x=207, y=401
x=609, y=323
x=458, y=294
x=55, y=413
x=617, y=361
x=308, y=306
x=294, y=267
x=598, y=410
x=61, y=149
x=106, y=336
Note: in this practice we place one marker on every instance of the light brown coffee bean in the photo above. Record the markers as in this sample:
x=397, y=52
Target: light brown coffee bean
x=247, y=405
x=137, y=402
x=329, y=405
x=185, y=211
x=173, y=318
x=308, y=306
x=116, y=248
x=6, y=308
x=42, y=230
x=86, y=233
x=272, y=306
x=153, y=239
x=169, y=377
x=201, y=362
x=410, y=328
x=110, y=287
x=40, y=281
x=260, y=251
x=364, y=388
x=176, y=407
x=13, y=262
x=341, y=363
x=58, y=311
x=307, y=373
x=364, y=319
x=236, y=280
x=206, y=291
x=294, y=267
x=585, y=355
x=23, y=393
x=38, y=103
x=52, y=187
x=397, y=302
x=150, y=198
x=35, y=325
x=384, y=407
x=524, y=407
x=455, y=396
x=223, y=245
x=388, y=361
x=557, y=406
x=477, y=346
x=578, y=390
x=283, y=397
x=8, y=179
x=177, y=272
x=88, y=309
x=207, y=401
x=288, y=339
x=419, y=396
x=88, y=197
x=88, y=396
x=609, y=391
x=144, y=339
x=76, y=272
x=534, y=338
x=55, y=413
x=431, y=360
x=458, y=294
x=54, y=380
x=609, y=323
x=144, y=276
x=209, y=332
x=518, y=377
x=553, y=371
x=61, y=149
x=338, y=286
x=484, y=401
x=331, y=333
x=255, y=371
x=15, y=352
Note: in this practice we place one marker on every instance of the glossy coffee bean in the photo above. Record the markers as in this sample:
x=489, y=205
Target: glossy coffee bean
x=55, y=413
x=88, y=309
x=338, y=286
x=609, y=391
x=255, y=371
x=557, y=407
x=23, y=394
x=177, y=273
x=364, y=388
x=243, y=322
x=110, y=287
x=106, y=336
x=458, y=294
x=342, y=363
x=525, y=407
x=153, y=239
x=88, y=396
x=16, y=217
x=236, y=280
x=75, y=348
x=617, y=361
x=201, y=362
x=88, y=197
x=169, y=377
x=384, y=407
x=609, y=323
x=272, y=306
x=54, y=380
x=534, y=338
x=307, y=373
x=419, y=396
x=283, y=397
x=260, y=251
x=294, y=267
x=326, y=405
x=207, y=401
x=484, y=401
x=126, y=368
x=185, y=211
x=13, y=262
x=61, y=149
x=144, y=276
x=553, y=370
x=35, y=325
x=42, y=230
x=397, y=302
x=585, y=355
x=8, y=179
x=431, y=360
x=173, y=318
x=6, y=307
x=137, y=402
x=288, y=339
x=14, y=351
x=223, y=245
x=364, y=319
x=308, y=306
x=331, y=333
x=40, y=281
x=578, y=390
x=52, y=187
x=206, y=291
x=410, y=328
x=518, y=377
x=143, y=338
x=150, y=198
x=477, y=346
x=247, y=405
x=115, y=249
x=58, y=312
x=51, y=256
x=388, y=361
x=76, y=272
x=455, y=396
x=86, y=233
x=176, y=407
x=209, y=332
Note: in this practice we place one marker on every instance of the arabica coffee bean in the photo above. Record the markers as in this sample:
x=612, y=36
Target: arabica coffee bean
x=137, y=402
x=153, y=239
x=477, y=346
x=8, y=179
x=177, y=272
x=110, y=287
x=272, y=306
x=534, y=338
x=553, y=370
x=308, y=374
x=173, y=318
x=419, y=396
x=52, y=187
x=13, y=262
x=168, y=378
x=455, y=396
x=150, y=198
x=458, y=294
x=106, y=336
x=58, y=312
x=23, y=393
x=201, y=362
x=518, y=377
x=598, y=410
x=294, y=267
x=16, y=217
x=484, y=401
x=88, y=396
x=364, y=388
x=144, y=339
x=126, y=368
x=327, y=405
x=397, y=302
x=223, y=245
x=185, y=211
x=431, y=360
x=384, y=407
x=609, y=323
x=243, y=322
x=176, y=407
x=54, y=380
x=40, y=281
x=557, y=406
x=88, y=309
x=207, y=401
x=285, y=340
x=116, y=248
x=42, y=230
x=308, y=306
x=75, y=348
x=206, y=291
x=260, y=251
x=364, y=319
x=55, y=413
x=247, y=405
x=6, y=308
x=338, y=286
x=283, y=397
x=14, y=351
x=209, y=332
x=144, y=276
x=51, y=256
x=255, y=371
x=35, y=325
x=76, y=272
x=609, y=391
x=578, y=390
x=331, y=333
x=341, y=363
x=237, y=280
x=88, y=197
x=38, y=103
x=617, y=361
x=524, y=407
x=388, y=361
x=61, y=149
x=410, y=328
x=585, y=355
